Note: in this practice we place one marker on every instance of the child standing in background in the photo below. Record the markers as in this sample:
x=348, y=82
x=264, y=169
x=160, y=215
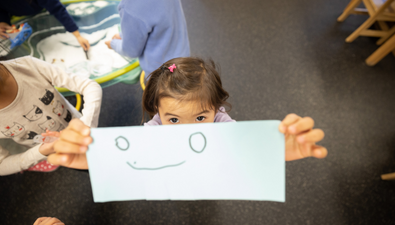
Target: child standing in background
x=184, y=91
x=154, y=31
x=30, y=105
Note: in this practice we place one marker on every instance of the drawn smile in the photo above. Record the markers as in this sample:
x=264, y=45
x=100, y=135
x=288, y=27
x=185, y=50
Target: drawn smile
x=123, y=144
x=157, y=168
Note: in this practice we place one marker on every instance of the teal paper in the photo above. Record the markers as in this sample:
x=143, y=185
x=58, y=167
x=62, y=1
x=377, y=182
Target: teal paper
x=213, y=161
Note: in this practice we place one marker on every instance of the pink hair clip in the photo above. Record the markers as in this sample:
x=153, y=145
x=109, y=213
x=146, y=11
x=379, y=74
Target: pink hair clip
x=172, y=67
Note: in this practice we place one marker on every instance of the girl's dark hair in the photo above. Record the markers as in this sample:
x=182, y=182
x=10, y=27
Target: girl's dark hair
x=194, y=79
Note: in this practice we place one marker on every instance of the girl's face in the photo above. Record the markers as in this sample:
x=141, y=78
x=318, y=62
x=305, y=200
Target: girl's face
x=171, y=111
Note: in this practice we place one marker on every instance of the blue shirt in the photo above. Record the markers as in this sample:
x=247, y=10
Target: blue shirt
x=155, y=31
x=10, y=8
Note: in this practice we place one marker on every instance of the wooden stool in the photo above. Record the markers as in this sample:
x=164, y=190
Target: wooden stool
x=381, y=52
x=379, y=11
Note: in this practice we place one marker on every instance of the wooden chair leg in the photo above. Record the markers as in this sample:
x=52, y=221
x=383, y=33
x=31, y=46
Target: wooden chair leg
x=388, y=176
x=385, y=37
x=361, y=28
x=383, y=25
x=381, y=52
x=368, y=22
x=348, y=10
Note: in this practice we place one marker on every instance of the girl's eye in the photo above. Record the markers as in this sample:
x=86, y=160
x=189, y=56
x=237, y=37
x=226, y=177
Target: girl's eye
x=200, y=118
x=174, y=120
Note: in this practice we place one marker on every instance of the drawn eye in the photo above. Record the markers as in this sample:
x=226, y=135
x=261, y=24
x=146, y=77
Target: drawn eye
x=197, y=142
x=122, y=143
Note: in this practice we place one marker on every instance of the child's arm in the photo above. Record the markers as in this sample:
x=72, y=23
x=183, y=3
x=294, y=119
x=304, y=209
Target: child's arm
x=301, y=138
x=58, y=10
x=10, y=164
x=91, y=90
x=134, y=38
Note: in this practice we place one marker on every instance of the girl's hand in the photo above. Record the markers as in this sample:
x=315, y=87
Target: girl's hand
x=48, y=221
x=72, y=145
x=3, y=28
x=300, y=138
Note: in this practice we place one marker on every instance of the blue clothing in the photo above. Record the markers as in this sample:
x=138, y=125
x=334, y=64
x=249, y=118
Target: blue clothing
x=10, y=8
x=155, y=31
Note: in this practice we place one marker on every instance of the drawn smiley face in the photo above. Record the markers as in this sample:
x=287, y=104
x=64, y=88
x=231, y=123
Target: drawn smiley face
x=197, y=143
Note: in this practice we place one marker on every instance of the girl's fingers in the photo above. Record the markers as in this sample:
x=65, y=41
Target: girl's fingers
x=68, y=147
x=60, y=159
x=78, y=126
x=319, y=152
x=52, y=221
x=288, y=120
x=76, y=161
x=45, y=220
x=39, y=220
x=311, y=136
x=302, y=125
x=75, y=138
x=311, y=150
x=87, y=45
x=306, y=150
x=51, y=134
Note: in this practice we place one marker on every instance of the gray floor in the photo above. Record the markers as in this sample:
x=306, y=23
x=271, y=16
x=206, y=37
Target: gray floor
x=277, y=57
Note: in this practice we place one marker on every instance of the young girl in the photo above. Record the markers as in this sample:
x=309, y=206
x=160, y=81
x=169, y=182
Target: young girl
x=188, y=90
x=30, y=105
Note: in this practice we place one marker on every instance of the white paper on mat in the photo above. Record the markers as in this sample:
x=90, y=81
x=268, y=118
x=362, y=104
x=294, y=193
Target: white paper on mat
x=63, y=49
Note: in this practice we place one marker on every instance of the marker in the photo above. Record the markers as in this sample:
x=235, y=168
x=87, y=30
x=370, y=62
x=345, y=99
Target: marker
x=41, y=139
x=86, y=54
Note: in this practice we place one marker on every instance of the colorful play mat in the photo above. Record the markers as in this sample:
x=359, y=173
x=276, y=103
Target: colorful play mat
x=98, y=21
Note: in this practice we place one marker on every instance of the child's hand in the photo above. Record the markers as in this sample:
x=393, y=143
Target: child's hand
x=300, y=138
x=3, y=28
x=84, y=43
x=47, y=148
x=108, y=43
x=48, y=221
x=117, y=36
x=72, y=145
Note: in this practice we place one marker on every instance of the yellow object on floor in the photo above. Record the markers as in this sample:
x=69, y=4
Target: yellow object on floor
x=79, y=102
x=142, y=78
